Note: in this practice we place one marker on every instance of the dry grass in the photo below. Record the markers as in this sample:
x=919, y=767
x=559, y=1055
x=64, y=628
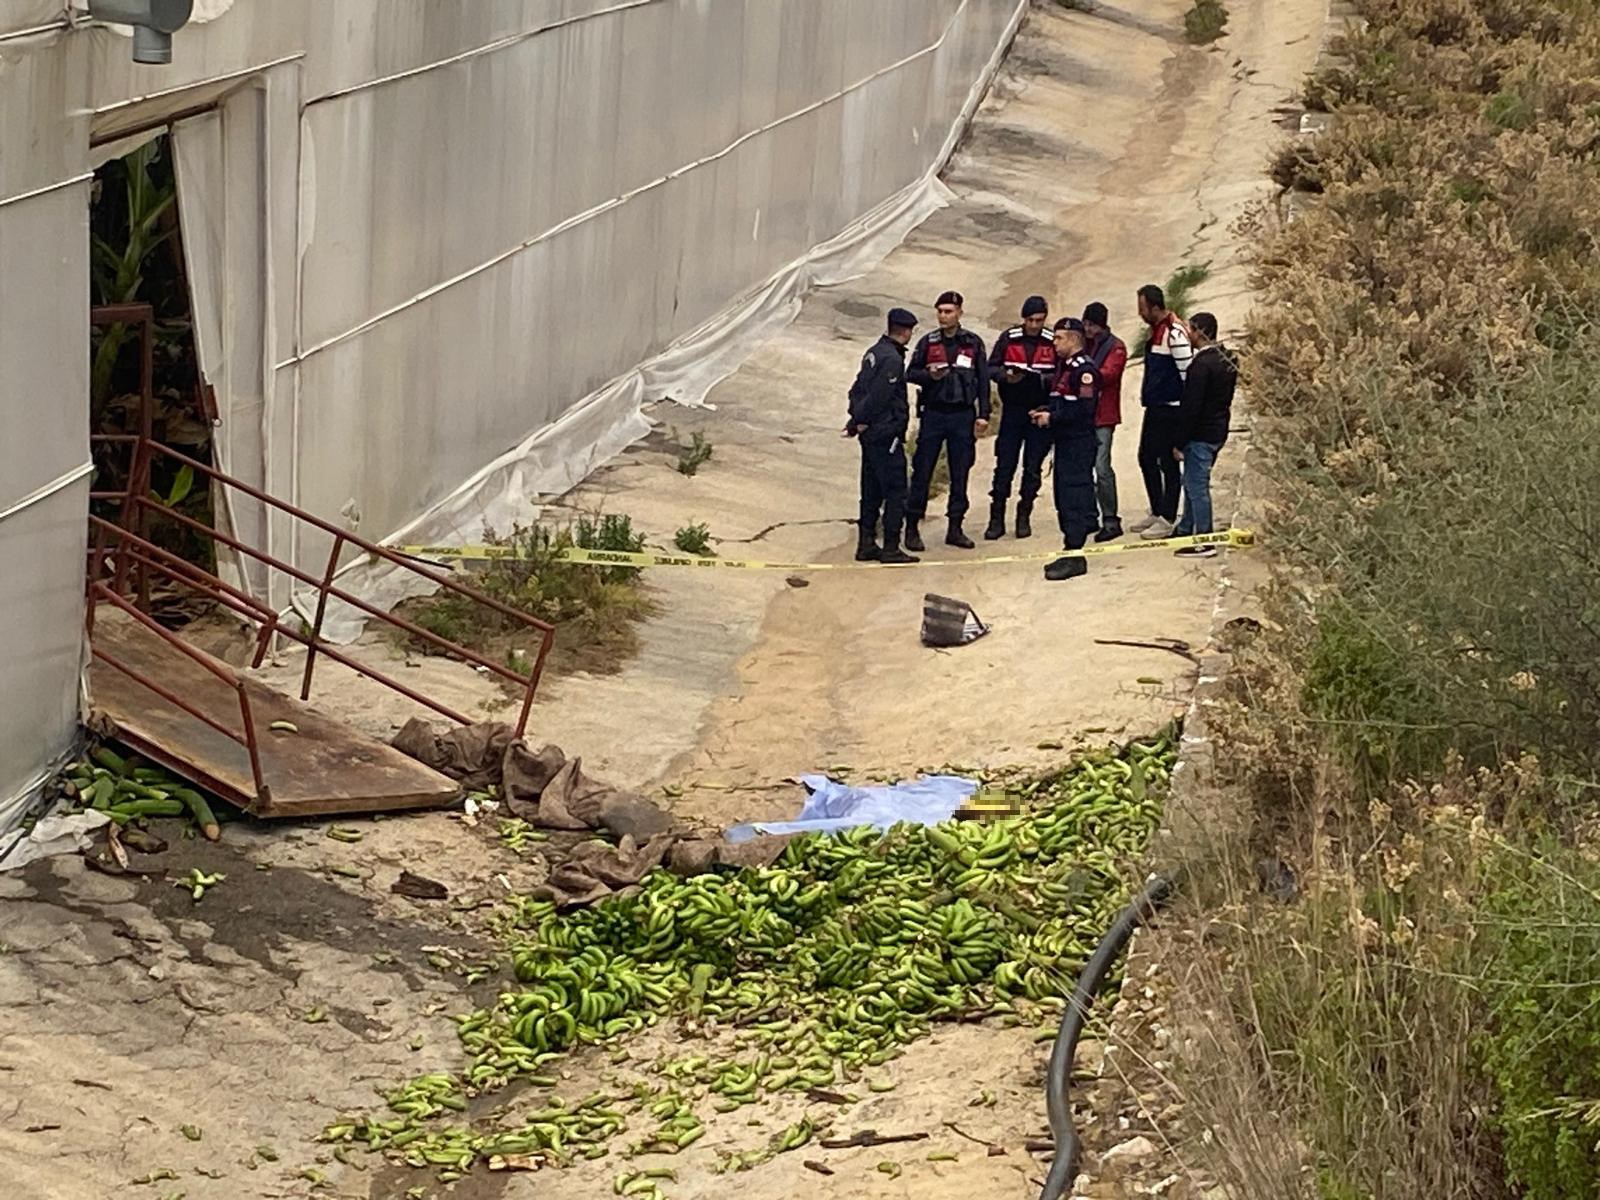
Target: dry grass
x=1421, y=1022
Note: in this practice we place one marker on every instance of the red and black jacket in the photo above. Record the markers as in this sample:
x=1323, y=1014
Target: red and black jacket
x=966, y=386
x=1034, y=355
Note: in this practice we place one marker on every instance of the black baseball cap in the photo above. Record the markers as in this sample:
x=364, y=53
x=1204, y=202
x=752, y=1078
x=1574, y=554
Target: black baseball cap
x=1034, y=305
x=1069, y=323
x=901, y=318
x=950, y=298
x=1096, y=312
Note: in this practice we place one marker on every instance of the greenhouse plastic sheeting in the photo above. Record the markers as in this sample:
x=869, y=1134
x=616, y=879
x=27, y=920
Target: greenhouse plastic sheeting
x=455, y=245
x=559, y=457
x=556, y=457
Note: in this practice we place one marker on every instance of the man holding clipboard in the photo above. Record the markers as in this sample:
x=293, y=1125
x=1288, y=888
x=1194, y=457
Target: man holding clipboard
x=952, y=378
x=1023, y=366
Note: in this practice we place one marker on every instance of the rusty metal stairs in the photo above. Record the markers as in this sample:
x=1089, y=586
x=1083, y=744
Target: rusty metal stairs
x=258, y=748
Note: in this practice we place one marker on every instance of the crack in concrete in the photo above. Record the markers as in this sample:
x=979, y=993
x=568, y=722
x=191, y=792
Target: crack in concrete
x=773, y=528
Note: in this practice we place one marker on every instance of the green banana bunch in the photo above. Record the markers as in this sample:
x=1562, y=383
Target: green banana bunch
x=824, y=965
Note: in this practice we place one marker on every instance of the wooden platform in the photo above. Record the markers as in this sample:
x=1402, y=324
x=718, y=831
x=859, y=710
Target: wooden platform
x=326, y=767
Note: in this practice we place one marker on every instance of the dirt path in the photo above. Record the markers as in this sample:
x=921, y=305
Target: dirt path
x=1110, y=154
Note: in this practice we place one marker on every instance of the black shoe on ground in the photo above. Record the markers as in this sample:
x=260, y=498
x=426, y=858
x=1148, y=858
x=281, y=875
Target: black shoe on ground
x=913, y=538
x=957, y=538
x=996, y=529
x=868, y=552
x=1109, y=532
x=895, y=557
x=1066, y=568
x=1025, y=520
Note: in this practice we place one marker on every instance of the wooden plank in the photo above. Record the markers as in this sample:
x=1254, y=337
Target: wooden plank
x=326, y=767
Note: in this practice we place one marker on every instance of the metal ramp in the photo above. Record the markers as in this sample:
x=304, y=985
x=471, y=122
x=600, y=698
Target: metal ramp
x=212, y=723
x=324, y=766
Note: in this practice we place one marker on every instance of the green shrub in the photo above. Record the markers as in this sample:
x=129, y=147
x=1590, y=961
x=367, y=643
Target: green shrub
x=1205, y=22
x=694, y=538
x=1542, y=935
x=695, y=455
x=593, y=608
x=1507, y=110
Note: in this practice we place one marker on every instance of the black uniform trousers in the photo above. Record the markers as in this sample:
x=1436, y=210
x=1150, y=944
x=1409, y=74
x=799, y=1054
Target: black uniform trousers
x=883, y=488
x=1163, y=476
x=1074, y=486
x=950, y=430
x=1020, y=438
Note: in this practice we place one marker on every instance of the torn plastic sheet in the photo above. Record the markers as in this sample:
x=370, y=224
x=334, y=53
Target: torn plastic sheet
x=832, y=806
x=58, y=833
x=557, y=457
x=560, y=456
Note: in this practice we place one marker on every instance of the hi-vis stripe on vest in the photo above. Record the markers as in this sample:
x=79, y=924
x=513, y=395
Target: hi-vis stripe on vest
x=1235, y=539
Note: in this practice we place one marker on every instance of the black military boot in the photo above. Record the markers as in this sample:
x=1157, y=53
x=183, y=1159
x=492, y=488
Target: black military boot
x=1025, y=518
x=1066, y=568
x=955, y=537
x=893, y=556
x=1110, y=531
x=997, y=521
x=867, y=542
x=913, y=538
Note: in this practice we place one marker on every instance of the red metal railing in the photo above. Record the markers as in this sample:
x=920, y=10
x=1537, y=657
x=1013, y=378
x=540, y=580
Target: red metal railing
x=123, y=556
x=247, y=735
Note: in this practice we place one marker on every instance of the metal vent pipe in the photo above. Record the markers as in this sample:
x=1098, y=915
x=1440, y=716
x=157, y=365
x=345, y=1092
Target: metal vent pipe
x=154, y=22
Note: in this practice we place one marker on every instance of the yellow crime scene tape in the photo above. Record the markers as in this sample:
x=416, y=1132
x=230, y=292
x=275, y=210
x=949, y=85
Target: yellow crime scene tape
x=1235, y=539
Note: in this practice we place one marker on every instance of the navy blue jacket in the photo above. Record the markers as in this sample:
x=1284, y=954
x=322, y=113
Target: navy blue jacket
x=1075, y=397
x=1166, y=364
x=878, y=397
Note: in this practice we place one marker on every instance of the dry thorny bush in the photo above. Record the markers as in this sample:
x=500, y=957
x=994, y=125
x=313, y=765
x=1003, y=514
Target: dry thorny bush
x=1420, y=1021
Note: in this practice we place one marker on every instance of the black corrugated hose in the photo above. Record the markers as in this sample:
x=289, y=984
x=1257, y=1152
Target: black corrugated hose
x=1064, y=1169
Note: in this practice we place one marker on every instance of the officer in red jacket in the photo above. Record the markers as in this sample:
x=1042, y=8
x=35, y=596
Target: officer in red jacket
x=1110, y=355
x=952, y=377
x=1070, y=417
x=1023, y=366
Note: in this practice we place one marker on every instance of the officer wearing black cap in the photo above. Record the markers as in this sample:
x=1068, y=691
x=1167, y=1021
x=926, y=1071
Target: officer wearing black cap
x=879, y=414
x=1023, y=366
x=1069, y=416
x=952, y=378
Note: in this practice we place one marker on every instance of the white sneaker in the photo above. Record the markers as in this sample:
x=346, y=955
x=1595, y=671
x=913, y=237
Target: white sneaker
x=1158, y=528
x=1141, y=526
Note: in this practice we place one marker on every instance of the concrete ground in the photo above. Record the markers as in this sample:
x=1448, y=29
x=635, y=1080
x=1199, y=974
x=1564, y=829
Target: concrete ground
x=1109, y=154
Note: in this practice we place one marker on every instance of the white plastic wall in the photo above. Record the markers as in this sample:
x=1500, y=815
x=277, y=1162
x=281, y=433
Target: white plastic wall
x=431, y=229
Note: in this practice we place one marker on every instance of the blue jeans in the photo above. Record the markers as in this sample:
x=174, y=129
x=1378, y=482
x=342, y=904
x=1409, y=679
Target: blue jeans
x=1198, y=459
x=1105, y=479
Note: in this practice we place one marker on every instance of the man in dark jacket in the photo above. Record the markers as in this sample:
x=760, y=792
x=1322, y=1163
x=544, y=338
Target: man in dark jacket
x=1069, y=416
x=1023, y=366
x=1202, y=427
x=1166, y=364
x=879, y=414
x=952, y=379
x=1110, y=355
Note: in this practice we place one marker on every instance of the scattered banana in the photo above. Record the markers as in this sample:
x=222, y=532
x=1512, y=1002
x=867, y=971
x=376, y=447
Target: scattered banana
x=827, y=964
x=112, y=784
x=197, y=882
